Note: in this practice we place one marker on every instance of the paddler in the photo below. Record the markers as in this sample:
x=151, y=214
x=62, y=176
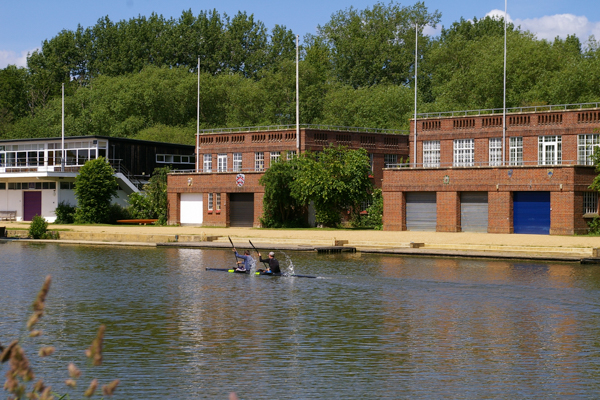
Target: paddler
x=246, y=264
x=272, y=265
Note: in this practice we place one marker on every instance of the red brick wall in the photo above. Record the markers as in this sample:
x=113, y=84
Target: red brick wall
x=394, y=211
x=573, y=123
x=448, y=212
x=500, y=212
x=205, y=183
x=566, y=184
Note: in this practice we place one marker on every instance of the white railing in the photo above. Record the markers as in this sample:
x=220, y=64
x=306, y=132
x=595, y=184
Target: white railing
x=563, y=163
x=512, y=110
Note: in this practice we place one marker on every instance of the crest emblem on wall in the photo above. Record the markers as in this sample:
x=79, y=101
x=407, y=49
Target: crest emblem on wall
x=240, y=179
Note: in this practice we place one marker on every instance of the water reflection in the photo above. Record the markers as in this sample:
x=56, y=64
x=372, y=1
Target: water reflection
x=375, y=327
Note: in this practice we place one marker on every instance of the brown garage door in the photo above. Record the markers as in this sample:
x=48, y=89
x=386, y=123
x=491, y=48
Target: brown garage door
x=241, y=206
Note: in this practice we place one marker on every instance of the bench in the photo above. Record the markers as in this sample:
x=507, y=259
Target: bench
x=8, y=215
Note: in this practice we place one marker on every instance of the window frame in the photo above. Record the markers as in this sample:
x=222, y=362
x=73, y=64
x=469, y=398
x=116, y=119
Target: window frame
x=237, y=162
x=544, y=144
x=586, y=145
x=207, y=163
x=515, y=150
x=495, y=152
x=259, y=161
x=431, y=154
x=222, y=162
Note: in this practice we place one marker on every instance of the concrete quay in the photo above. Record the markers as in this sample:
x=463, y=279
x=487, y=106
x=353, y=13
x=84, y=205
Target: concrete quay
x=440, y=244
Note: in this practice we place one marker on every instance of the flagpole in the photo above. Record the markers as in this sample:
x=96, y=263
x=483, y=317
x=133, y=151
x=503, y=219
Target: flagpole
x=62, y=158
x=504, y=91
x=415, y=121
x=198, y=121
x=297, y=101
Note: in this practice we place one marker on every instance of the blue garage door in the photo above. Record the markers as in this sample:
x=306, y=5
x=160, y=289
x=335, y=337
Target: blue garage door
x=531, y=212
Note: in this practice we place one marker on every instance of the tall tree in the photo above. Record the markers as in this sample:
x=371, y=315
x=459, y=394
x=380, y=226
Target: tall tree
x=95, y=187
x=375, y=45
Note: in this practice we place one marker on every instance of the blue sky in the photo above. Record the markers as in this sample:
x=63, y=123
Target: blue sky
x=25, y=24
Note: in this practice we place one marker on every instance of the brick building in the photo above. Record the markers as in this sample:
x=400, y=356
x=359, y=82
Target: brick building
x=224, y=190
x=465, y=178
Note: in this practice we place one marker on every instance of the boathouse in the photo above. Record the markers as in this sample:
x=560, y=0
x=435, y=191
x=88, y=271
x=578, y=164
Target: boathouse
x=470, y=176
x=34, y=179
x=223, y=190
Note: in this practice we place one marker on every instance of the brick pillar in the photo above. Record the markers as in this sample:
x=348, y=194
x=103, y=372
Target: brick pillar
x=448, y=212
x=562, y=213
x=258, y=208
x=500, y=212
x=173, y=212
x=394, y=211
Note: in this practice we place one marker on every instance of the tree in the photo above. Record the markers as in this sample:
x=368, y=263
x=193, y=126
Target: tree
x=95, y=187
x=153, y=202
x=377, y=44
x=280, y=208
x=336, y=180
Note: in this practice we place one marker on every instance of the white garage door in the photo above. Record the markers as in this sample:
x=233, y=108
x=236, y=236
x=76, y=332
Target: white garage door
x=191, y=210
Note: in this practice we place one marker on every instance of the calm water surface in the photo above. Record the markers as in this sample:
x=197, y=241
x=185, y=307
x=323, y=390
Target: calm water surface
x=374, y=327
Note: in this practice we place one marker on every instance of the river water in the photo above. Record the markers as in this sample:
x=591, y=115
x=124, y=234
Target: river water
x=371, y=327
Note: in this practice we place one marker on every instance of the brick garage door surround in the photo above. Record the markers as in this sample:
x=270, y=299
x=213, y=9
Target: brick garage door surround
x=566, y=185
x=223, y=183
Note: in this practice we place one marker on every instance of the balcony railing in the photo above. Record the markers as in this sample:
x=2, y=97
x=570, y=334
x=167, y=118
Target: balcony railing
x=546, y=164
x=511, y=110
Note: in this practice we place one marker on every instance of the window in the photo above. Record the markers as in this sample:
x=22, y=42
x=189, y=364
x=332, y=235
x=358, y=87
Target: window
x=67, y=185
x=549, y=150
x=585, y=148
x=218, y=201
x=431, y=153
x=495, y=152
x=2, y=186
x=259, y=161
x=222, y=163
x=291, y=154
x=390, y=160
x=516, y=151
x=590, y=203
x=207, y=163
x=210, y=202
x=464, y=152
x=275, y=156
x=237, y=162
x=371, y=160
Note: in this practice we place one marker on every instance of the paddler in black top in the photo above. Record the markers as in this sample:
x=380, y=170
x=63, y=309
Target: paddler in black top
x=273, y=265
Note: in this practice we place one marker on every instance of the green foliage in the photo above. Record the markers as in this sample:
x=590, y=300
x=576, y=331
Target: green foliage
x=594, y=226
x=336, y=179
x=38, y=227
x=117, y=212
x=374, y=217
x=95, y=186
x=596, y=161
x=375, y=45
x=153, y=202
x=65, y=213
x=280, y=208
x=137, y=78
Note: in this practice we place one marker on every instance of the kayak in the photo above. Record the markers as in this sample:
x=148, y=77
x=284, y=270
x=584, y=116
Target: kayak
x=234, y=271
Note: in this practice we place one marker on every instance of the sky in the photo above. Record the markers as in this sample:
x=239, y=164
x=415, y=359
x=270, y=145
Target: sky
x=25, y=24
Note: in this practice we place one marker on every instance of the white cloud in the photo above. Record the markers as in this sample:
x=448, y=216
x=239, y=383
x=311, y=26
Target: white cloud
x=8, y=57
x=550, y=26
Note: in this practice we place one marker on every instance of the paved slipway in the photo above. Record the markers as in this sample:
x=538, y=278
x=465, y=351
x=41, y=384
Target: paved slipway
x=466, y=244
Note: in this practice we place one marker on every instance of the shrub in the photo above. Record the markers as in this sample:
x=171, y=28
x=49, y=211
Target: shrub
x=38, y=228
x=594, y=226
x=116, y=212
x=65, y=213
